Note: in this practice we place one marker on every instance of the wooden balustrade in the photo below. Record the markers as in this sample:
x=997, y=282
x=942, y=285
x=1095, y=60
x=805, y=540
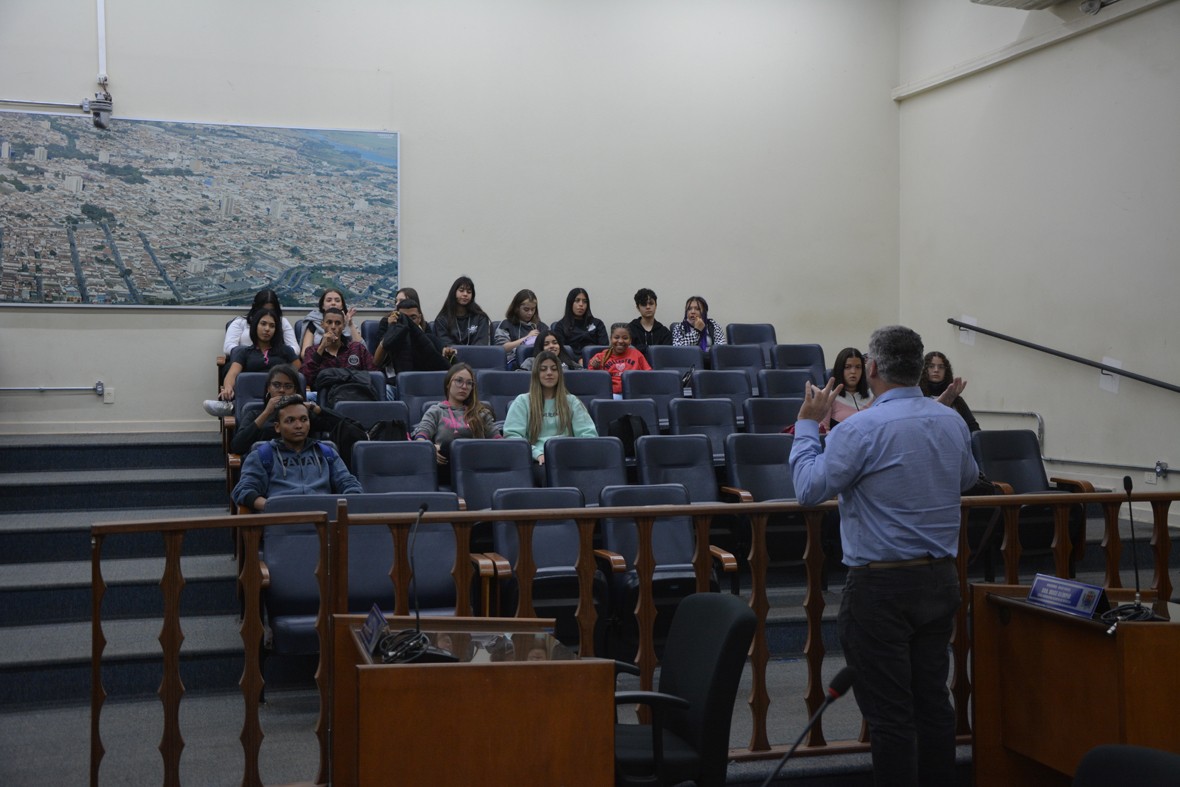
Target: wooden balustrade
x=332, y=577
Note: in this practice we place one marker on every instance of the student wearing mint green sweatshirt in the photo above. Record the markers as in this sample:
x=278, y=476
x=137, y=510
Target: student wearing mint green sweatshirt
x=548, y=409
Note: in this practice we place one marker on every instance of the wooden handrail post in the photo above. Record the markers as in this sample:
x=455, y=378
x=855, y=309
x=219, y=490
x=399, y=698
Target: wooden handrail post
x=98, y=644
x=759, y=560
x=813, y=603
x=252, y=682
x=171, y=636
x=587, y=614
x=526, y=568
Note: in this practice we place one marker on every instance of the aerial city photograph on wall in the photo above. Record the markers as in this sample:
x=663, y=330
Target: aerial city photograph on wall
x=155, y=213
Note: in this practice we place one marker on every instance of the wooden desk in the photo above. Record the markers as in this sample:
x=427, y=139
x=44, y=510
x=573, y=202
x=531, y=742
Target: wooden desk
x=517, y=722
x=1050, y=687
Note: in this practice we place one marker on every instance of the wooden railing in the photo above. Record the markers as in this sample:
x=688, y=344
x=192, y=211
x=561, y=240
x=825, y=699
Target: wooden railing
x=332, y=577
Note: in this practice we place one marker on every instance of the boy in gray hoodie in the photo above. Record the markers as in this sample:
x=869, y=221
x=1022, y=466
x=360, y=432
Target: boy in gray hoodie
x=292, y=464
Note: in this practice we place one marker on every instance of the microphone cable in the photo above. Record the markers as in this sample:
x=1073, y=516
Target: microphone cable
x=1134, y=611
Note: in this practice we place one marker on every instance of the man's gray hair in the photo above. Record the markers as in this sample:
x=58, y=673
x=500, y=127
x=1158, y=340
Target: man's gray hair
x=898, y=352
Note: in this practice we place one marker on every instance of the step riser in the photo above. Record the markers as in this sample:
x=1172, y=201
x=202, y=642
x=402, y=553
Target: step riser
x=58, y=605
x=65, y=545
x=56, y=458
x=116, y=495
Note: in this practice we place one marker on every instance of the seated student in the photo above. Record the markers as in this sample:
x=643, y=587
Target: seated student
x=282, y=380
x=697, y=329
x=334, y=351
x=548, y=409
x=461, y=414
x=646, y=330
x=238, y=331
x=938, y=380
x=521, y=323
x=849, y=371
x=405, y=293
x=619, y=357
x=578, y=327
x=292, y=464
x=313, y=323
x=548, y=342
x=404, y=344
x=266, y=350
x=461, y=320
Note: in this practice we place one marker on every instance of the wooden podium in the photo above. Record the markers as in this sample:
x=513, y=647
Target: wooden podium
x=520, y=715
x=1049, y=687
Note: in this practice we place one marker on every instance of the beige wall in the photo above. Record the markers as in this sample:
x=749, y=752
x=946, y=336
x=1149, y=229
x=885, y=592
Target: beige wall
x=1042, y=198
x=746, y=151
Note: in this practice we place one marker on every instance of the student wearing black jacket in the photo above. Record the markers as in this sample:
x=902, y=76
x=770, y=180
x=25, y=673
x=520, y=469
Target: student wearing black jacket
x=404, y=344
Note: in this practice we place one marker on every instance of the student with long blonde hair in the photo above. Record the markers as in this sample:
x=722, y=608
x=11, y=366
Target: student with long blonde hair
x=548, y=409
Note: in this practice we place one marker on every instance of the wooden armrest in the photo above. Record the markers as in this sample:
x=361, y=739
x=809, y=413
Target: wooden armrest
x=503, y=567
x=462, y=504
x=229, y=423
x=1072, y=484
x=484, y=564
x=614, y=560
x=726, y=559
x=265, y=574
x=221, y=360
x=1002, y=488
x=241, y=509
x=741, y=494
x=233, y=461
x=652, y=698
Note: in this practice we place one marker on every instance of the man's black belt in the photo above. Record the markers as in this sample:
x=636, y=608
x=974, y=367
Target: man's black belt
x=918, y=561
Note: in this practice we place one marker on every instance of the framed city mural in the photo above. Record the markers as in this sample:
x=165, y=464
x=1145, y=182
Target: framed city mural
x=158, y=213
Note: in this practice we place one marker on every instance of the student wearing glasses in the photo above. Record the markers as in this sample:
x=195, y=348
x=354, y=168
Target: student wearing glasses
x=281, y=381
x=460, y=414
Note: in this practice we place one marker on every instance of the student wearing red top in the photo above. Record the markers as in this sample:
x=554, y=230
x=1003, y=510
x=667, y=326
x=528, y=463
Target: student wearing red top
x=619, y=357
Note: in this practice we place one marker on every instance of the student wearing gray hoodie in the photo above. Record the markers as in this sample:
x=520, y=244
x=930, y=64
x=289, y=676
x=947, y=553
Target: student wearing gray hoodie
x=292, y=464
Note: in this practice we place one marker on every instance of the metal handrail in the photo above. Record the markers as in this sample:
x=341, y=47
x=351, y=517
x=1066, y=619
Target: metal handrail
x=97, y=388
x=962, y=326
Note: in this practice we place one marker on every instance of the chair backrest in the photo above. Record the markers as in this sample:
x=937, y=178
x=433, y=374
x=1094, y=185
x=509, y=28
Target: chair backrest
x=759, y=333
x=704, y=656
x=555, y=542
x=747, y=358
x=760, y=464
x=588, y=463
x=801, y=356
x=731, y=384
x=482, y=356
x=667, y=356
x=420, y=390
x=772, y=414
x=480, y=467
x=678, y=459
x=249, y=387
x=369, y=330
x=524, y=351
x=1124, y=764
x=713, y=418
x=395, y=466
x=603, y=411
x=661, y=386
x=784, y=382
x=589, y=384
x=499, y=387
x=1012, y=456
x=370, y=413
x=672, y=537
x=589, y=351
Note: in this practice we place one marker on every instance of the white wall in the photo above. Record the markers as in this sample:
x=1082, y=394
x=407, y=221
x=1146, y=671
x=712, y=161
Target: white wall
x=1042, y=197
x=745, y=150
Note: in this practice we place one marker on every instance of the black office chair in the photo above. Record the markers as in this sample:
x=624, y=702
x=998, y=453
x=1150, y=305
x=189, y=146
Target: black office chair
x=1013, y=457
x=588, y=463
x=368, y=414
x=759, y=333
x=801, y=356
x=661, y=386
x=589, y=384
x=498, y=388
x=1113, y=764
x=731, y=384
x=555, y=547
x=681, y=359
x=688, y=739
x=479, y=356
x=784, y=382
x=714, y=418
x=369, y=330
x=746, y=358
x=395, y=466
x=479, y=468
x=419, y=390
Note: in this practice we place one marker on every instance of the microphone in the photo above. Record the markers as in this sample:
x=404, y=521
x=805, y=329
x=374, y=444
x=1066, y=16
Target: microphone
x=1135, y=611
x=411, y=645
x=836, y=689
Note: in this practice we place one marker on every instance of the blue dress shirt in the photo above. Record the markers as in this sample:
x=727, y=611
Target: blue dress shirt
x=898, y=467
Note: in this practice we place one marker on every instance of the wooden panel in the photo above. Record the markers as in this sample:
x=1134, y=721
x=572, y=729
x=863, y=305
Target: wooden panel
x=521, y=723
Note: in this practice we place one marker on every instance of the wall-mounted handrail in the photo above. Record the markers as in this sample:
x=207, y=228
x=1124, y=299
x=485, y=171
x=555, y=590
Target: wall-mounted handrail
x=97, y=388
x=962, y=326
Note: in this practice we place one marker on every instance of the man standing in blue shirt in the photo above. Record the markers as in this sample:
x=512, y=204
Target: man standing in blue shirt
x=899, y=468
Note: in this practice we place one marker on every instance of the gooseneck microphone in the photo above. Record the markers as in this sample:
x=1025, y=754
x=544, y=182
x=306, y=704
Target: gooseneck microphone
x=836, y=689
x=411, y=645
x=1135, y=611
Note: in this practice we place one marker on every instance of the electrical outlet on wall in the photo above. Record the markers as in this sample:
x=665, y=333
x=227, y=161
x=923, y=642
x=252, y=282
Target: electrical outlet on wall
x=108, y=394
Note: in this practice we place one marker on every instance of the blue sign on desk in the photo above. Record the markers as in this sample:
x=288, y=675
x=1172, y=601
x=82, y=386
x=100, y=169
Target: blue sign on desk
x=371, y=631
x=1068, y=596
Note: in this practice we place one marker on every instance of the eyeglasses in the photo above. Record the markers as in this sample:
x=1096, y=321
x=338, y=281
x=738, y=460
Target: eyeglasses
x=462, y=382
